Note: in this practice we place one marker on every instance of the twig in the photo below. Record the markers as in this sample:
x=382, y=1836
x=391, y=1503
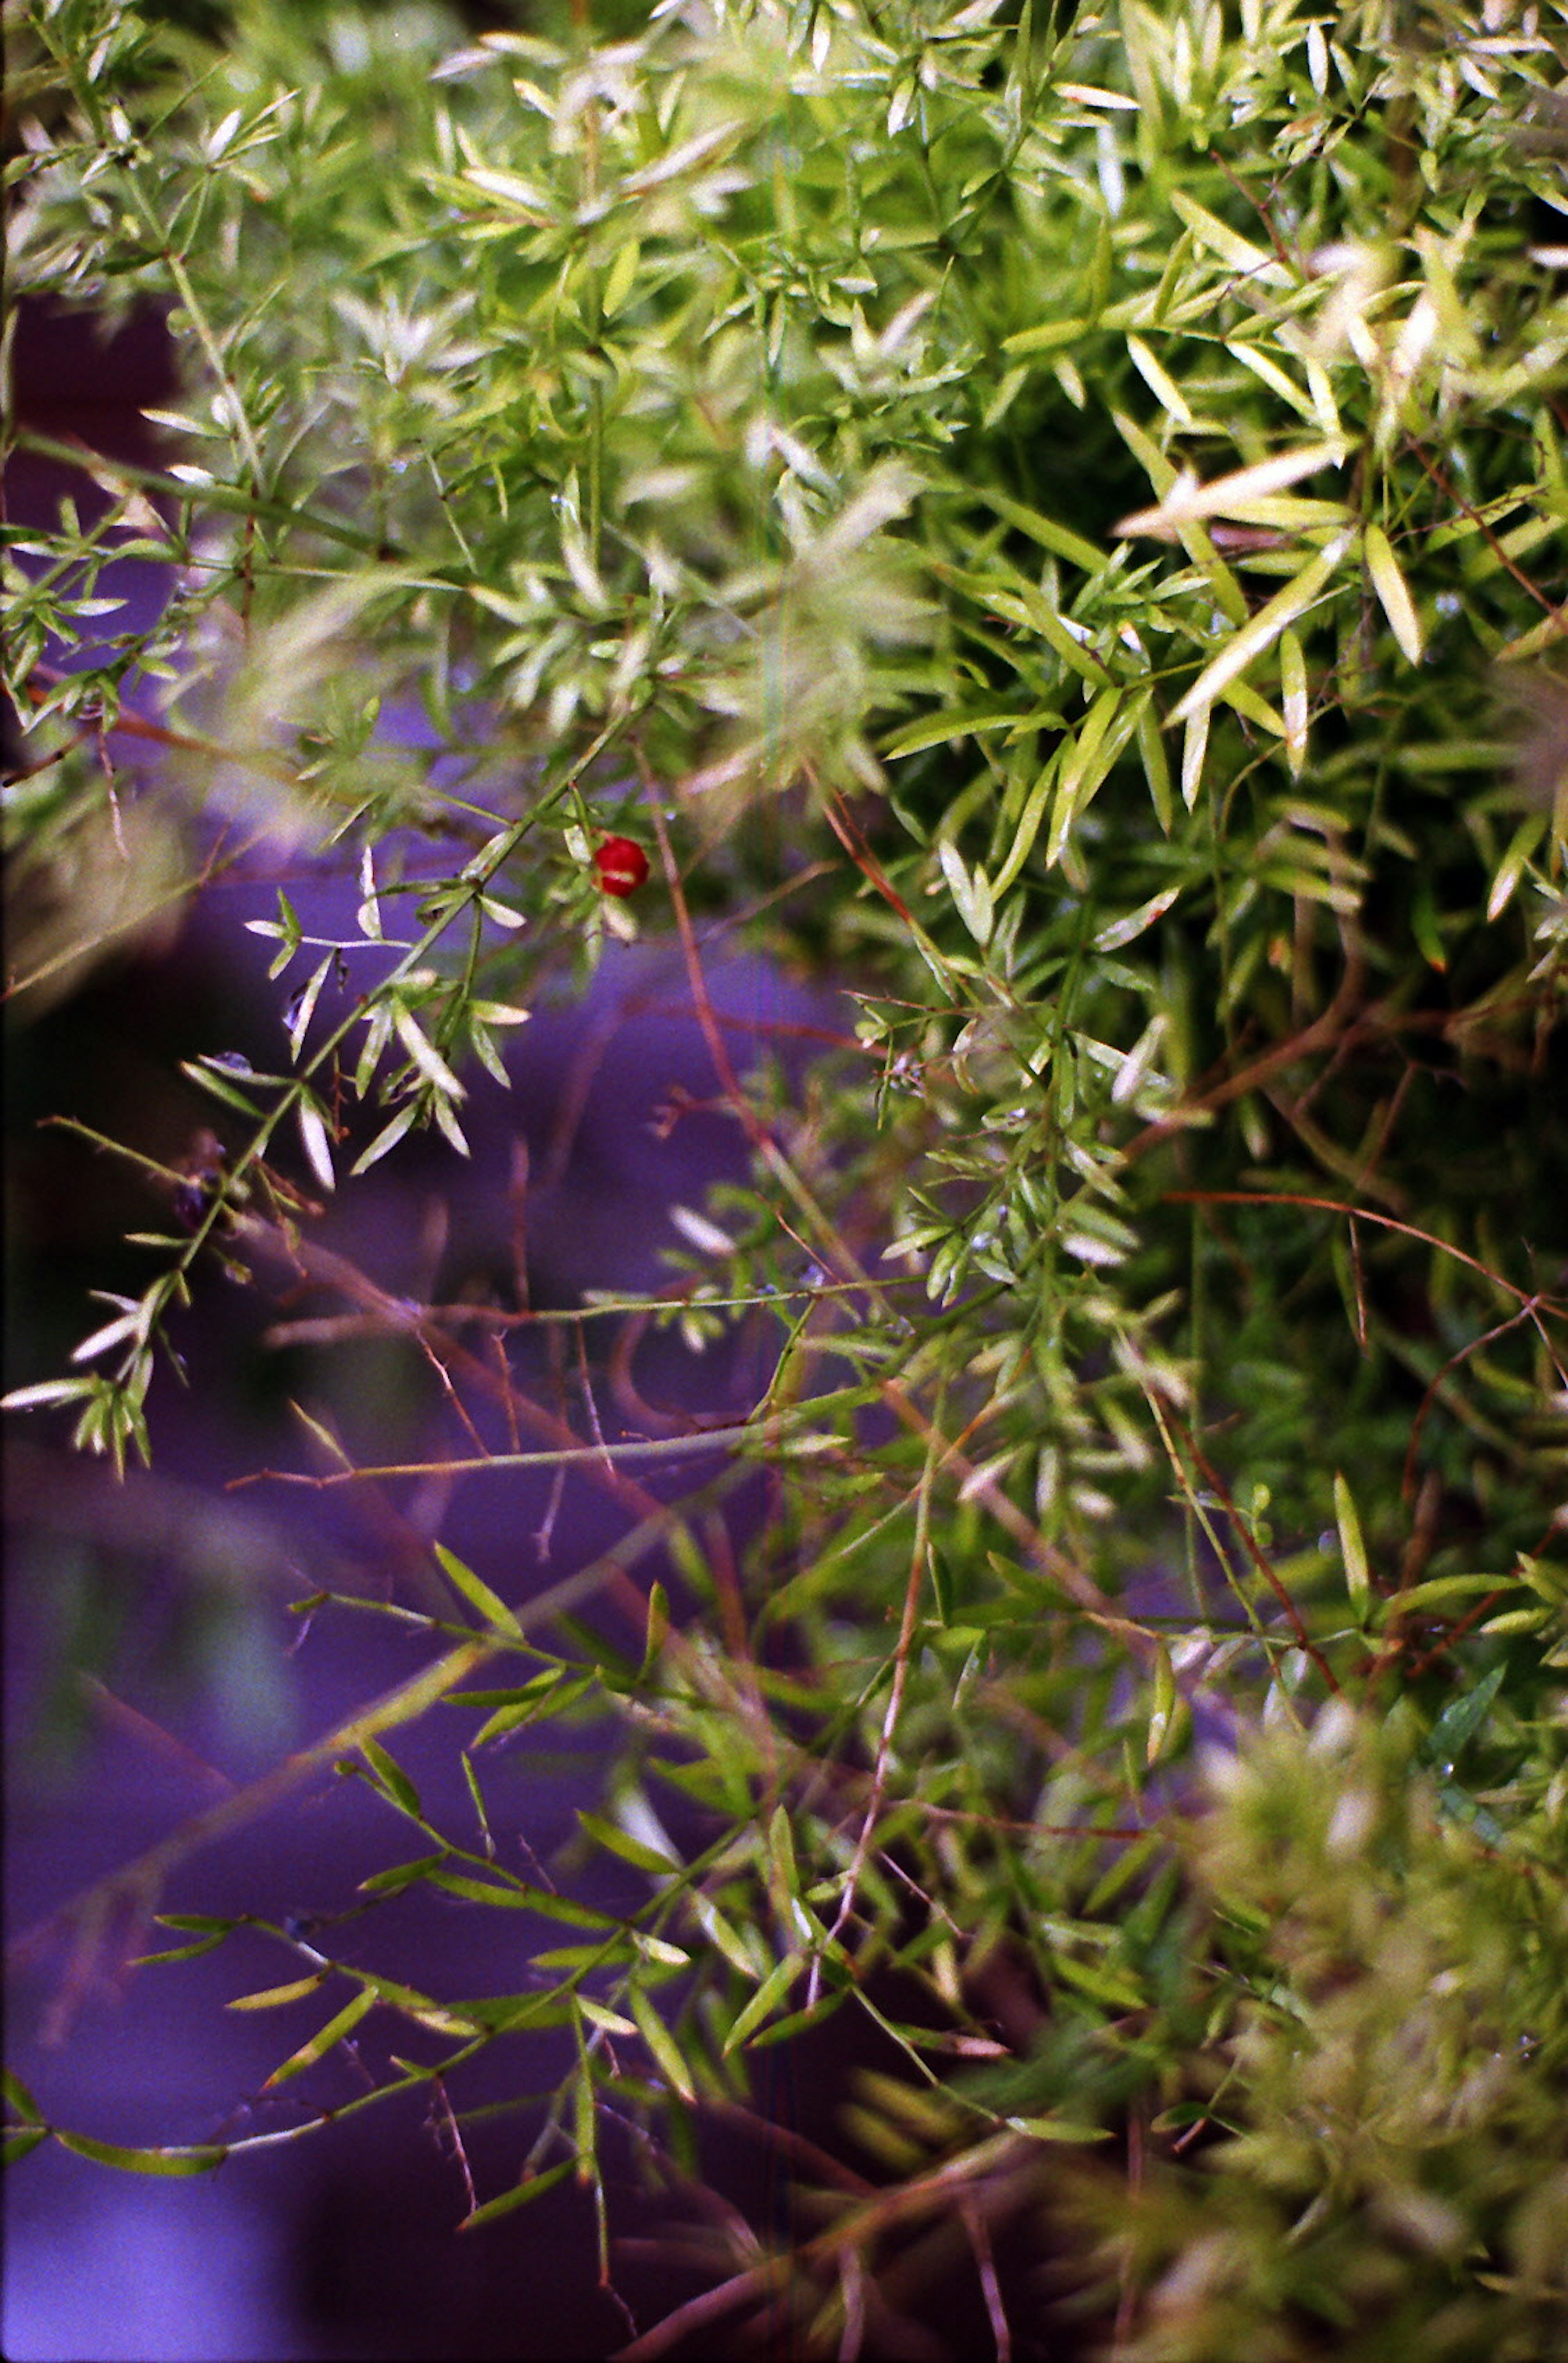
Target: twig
x=1260, y=1559
x=1528, y=1311
x=1363, y=1215
x=146, y=1733
x=133, y=1890
x=1322, y=1030
x=447, y=2117
x=918, y=1565
x=979, y=2234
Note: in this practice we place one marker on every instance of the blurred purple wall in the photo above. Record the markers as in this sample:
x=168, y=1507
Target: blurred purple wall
x=174, y=1594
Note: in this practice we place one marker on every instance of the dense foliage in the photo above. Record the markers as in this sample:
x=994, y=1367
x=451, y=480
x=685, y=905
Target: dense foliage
x=1052, y=520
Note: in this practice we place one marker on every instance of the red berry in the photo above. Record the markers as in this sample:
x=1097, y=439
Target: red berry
x=622, y=865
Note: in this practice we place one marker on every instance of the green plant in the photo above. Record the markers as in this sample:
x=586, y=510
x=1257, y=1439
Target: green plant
x=1038, y=514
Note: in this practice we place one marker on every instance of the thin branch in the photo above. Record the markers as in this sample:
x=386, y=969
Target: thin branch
x=1529, y=1311
x=1532, y=1299
x=978, y=2232
x=919, y=1561
x=1260, y=1559
x=137, y=1885
x=1323, y=1030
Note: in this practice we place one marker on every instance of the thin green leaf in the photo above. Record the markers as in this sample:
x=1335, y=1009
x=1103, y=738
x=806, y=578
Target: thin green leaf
x=390, y=1777
x=273, y=1997
x=1353, y=1549
x=478, y=1594
x=177, y=2164
x=334, y=2032
x=521, y=2194
x=1263, y=628
x=769, y=1995
x=662, y=2048
x=620, y=1841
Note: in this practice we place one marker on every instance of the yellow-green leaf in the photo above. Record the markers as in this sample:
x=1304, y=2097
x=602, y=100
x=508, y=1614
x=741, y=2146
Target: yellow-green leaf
x=390, y=1777
x=322, y=2042
x=1392, y=591
x=478, y=1594
x=1156, y=766
x=1166, y=393
x=1237, y=495
x=1164, y=1704
x=1263, y=628
x=619, y=277
x=1293, y=698
x=272, y=1997
x=610, y=2021
x=658, y=1631
x=771, y=1991
x=1077, y=772
x=531, y=2187
x=630, y=1849
x=661, y=2045
x=1059, y=2129
x=1028, y=826
x=1353, y=1549
x=146, y=2161
x=1254, y=261
x=724, y=1938
x=1510, y=870
x=1045, y=338
x=971, y=892
x=1124, y=931
x=1195, y=747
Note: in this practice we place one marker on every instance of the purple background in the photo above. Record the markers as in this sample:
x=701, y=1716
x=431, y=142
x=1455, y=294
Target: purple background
x=174, y=1592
